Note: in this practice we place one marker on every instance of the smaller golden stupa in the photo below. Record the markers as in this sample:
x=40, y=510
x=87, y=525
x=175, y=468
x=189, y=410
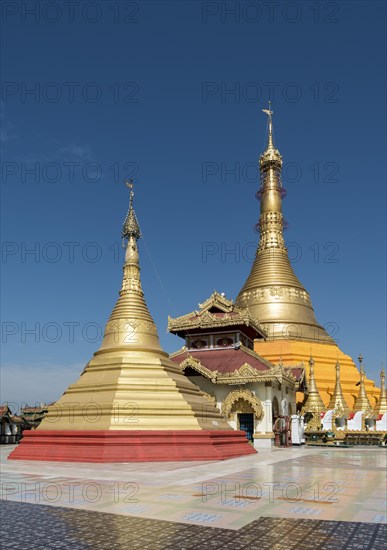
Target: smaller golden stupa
x=313, y=404
x=361, y=402
x=381, y=405
x=337, y=400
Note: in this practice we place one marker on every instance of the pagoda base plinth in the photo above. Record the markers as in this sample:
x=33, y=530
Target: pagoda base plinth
x=131, y=445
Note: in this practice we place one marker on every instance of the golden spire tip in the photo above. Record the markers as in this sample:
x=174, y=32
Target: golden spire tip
x=131, y=226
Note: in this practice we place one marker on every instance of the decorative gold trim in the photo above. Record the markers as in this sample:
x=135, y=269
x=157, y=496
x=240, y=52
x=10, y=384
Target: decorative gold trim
x=246, y=373
x=194, y=364
x=314, y=423
x=245, y=395
x=219, y=301
x=338, y=412
x=205, y=319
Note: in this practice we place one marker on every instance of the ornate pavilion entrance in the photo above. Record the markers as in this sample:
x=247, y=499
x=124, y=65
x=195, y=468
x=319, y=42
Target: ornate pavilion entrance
x=218, y=357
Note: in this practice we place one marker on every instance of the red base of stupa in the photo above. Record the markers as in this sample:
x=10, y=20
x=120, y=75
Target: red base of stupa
x=131, y=445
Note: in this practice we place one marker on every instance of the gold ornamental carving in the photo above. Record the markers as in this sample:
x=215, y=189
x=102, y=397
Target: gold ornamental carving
x=276, y=291
x=243, y=395
x=123, y=325
x=204, y=319
x=315, y=421
x=217, y=300
x=196, y=365
x=338, y=413
x=244, y=375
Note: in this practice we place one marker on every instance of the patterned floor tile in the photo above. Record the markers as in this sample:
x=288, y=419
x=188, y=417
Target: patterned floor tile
x=48, y=527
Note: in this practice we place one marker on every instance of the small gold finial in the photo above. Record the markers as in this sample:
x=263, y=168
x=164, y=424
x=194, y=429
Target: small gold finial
x=130, y=185
x=269, y=113
x=360, y=359
x=131, y=226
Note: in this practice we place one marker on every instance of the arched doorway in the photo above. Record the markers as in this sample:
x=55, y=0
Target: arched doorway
x=243, y=409
x=245, y=417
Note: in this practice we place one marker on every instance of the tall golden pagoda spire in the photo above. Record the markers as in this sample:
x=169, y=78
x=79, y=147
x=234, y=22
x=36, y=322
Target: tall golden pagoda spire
x=361, y=402
x=381, y=405
x=314, y=403
x=337, y=400
x=272, y=292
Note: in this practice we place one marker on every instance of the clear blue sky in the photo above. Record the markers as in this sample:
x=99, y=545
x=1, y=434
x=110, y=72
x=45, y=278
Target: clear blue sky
x=170, y=93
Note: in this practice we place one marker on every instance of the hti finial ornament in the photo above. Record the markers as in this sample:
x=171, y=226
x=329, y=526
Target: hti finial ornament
x=360, y=358
x=271, y=154
x=131, y=227
x=268, y=111
x=130, y=185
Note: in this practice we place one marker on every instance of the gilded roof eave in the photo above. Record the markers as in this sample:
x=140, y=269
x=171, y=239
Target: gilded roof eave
x=204, y=319
x=207, y=320
x=243, y=375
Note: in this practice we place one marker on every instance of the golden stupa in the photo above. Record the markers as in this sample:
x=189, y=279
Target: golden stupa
x=279, y=302
x=313, y=404
x=381, y=405
x=337, y=401
x=131, y=402
x=361, y=402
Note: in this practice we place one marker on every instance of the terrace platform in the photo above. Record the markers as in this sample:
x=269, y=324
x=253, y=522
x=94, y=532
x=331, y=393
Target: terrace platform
x=279, y=498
